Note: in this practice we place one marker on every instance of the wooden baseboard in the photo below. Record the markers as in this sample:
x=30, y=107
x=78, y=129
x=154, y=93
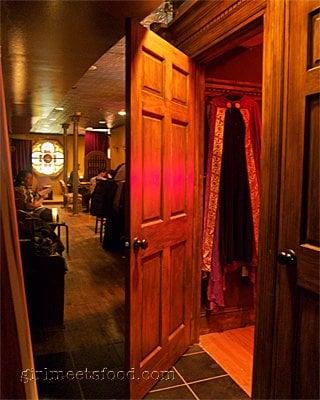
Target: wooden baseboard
x=229, y=318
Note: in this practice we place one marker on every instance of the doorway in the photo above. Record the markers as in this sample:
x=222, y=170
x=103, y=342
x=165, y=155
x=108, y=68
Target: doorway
x=233, y=78
x=77, y=305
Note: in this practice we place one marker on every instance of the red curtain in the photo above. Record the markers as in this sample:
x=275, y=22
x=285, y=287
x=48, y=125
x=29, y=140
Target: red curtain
x=21, y=155
x=95, y=141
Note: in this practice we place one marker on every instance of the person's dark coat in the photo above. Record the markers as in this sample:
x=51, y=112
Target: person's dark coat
x=102, y=198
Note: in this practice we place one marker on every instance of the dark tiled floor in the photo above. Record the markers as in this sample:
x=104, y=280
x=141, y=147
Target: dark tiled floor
x=51, y=384
x=164, y=383
x=198, y=366
x=220, y=388
x=180, y=392
x=196, y=376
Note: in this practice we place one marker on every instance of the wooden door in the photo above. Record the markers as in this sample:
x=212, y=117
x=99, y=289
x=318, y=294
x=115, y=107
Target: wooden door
x=160, y=143
x=296, y=358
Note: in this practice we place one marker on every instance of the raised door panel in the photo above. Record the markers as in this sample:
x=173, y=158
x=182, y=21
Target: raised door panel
x=310, y=195
x=151, y=299
x=314, y=39
x=153, y=72
x=180, y=85
x=177, y=287
x=152, y=167
x=307, y=356
x=179, y=153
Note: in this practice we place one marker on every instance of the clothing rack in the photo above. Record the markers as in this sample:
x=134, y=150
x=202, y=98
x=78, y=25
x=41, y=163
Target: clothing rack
x=217, y=87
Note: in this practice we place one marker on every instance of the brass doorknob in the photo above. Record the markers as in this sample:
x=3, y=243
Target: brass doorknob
x=140, y=244
x=287, y=257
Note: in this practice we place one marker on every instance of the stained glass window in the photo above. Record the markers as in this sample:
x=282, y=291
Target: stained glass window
x=47, y=157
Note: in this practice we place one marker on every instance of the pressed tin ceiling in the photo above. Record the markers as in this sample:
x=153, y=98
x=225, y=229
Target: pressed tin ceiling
x=47, y=48
x=98, y=95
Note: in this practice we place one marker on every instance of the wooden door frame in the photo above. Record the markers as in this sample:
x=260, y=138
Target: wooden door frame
x=275, y=19
x=216, y=25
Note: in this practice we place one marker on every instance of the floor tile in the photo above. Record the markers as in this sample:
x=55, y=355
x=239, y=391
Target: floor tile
x=120, y=349
x=108, y=386
x=219, y=388
x=96, y=358
x=198, y=366
x=51, y=368
x=181, y=392
x=194, y=349
x=170, y=379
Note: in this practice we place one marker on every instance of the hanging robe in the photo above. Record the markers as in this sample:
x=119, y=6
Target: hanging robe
x=231, y=218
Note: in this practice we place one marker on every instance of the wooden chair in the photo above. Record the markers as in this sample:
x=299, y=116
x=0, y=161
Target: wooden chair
x=101, y=223
x=95, y=161
x=68, y=197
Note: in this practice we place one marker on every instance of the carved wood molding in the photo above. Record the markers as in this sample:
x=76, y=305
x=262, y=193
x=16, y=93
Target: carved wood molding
x=216, y=87
x=210, y=24
x=206, y=23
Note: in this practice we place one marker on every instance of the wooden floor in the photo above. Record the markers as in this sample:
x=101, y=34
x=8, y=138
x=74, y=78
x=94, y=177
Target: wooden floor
x=94, y=293
x=233, y=350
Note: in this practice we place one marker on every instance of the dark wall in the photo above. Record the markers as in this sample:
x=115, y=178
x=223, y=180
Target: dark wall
x=239, y=64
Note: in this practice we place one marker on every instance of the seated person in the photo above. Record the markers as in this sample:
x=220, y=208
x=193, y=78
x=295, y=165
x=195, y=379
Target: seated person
x=85, y=192
x=102, y=175
x=74, y=176
x=29, y=200
x=120, y=172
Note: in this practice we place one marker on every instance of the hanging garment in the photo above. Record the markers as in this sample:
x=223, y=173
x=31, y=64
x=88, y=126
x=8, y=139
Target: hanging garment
x=231, y=222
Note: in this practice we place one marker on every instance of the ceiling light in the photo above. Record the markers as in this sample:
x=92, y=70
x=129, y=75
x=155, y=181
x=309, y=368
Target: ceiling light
x=52, y=119
x=59, y=108
x=97, y=129
x=122, y=112
x=100, y=130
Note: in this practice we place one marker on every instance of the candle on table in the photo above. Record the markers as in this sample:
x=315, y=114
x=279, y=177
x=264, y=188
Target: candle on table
x=54, y=215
